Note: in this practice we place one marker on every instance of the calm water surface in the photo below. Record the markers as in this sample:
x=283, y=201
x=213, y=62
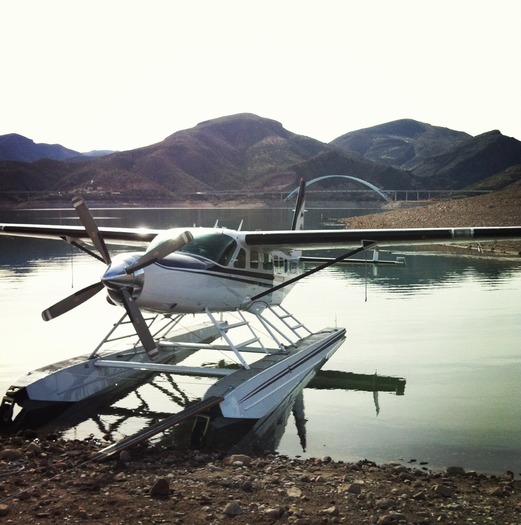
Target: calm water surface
x=450, y=326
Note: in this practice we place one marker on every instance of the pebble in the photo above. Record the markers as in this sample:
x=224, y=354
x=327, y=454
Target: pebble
x=351, y=488
x=294, y=492
x=125, y=456
x=274, y=512
x=239, y=460
x=383, y=503
x=10, y=454
x=247, y=486
x=233, y=509
x=160, y=489
x=456, y=471
x=331, y=511
x=444, y=490
x=34, y=448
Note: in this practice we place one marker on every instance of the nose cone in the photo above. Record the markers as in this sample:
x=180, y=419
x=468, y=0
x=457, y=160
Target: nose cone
x=116, y=278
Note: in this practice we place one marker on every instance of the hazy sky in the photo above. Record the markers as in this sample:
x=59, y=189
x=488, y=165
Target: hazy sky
x=120, y=74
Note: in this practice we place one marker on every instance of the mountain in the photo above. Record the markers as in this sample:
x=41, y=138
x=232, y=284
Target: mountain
x=403, y=144
x=225, y=153
x=248, y=153
x=17, y=148
x=237, y=152
x=439, y=158
x=97, y=153
x=14, y=147
x=473, y=161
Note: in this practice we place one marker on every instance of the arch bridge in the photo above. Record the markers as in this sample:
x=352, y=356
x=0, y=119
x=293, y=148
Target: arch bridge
x=356, y=179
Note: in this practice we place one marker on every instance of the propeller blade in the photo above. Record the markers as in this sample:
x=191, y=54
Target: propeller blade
x=160, y=251
x=140, y=325
x=72, y=301
x=91, y=227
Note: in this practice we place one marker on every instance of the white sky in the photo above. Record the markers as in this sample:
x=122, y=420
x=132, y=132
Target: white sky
x=121, y=74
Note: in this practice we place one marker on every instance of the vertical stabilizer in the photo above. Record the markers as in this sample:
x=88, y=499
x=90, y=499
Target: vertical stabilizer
x=298, y=214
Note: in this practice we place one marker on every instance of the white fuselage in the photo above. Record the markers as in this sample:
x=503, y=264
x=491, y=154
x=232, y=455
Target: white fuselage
x=216, y=271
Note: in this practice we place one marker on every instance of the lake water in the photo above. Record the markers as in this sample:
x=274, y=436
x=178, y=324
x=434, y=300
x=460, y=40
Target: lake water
x=450, y=326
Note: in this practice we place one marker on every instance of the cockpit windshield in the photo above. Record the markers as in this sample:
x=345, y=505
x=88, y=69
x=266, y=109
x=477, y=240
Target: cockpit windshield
x=216, y=246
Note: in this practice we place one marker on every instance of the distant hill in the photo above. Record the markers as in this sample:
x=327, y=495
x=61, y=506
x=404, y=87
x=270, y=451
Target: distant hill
x=14, y=147
x=97, y=153
x=226, y=153
x=249, y=153
x=472, y=161
x=17, y=148
x=403, y=144
x=439, y=158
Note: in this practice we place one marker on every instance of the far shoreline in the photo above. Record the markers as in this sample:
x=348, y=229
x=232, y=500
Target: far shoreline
x=188, y=204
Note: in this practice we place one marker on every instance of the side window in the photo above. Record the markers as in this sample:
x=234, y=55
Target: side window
x=255, y=259
x=240, y=262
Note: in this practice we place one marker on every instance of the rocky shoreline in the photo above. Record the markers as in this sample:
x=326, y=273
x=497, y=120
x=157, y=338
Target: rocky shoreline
x=55, y=481
x=502, y=208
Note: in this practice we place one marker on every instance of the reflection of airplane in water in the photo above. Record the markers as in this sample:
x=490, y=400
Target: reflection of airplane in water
x=210, y=432
x=265, y=434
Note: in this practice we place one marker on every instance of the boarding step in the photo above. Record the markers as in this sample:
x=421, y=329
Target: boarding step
x=246, y=344
x=161, y=426
x=289, y=320
x=238, y=324
x=226, y=335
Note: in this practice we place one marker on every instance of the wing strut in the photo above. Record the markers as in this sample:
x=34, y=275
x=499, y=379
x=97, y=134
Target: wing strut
x=366, y=245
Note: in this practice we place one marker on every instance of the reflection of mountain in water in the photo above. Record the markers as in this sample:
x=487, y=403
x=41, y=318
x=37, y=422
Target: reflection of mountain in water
x=20, y=256
x=431, y=270
x=25, y=255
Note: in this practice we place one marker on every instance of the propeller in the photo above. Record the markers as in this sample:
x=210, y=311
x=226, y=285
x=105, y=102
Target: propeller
x=116, y=277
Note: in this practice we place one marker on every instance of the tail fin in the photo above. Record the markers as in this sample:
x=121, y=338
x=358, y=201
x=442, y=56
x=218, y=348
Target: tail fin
x=298, y=214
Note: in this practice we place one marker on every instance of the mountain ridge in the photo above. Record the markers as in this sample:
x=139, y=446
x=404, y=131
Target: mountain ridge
x=17, y=148
x=251, y=153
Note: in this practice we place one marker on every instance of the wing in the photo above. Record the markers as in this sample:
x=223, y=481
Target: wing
x=328, y=239
x=281, y=240
x=78, y=234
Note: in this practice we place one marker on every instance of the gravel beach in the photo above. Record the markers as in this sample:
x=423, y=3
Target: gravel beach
x=502, y=208
x=54, y=481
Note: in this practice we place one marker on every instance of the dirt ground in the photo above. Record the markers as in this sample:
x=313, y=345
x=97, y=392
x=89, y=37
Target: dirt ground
x=51, y=481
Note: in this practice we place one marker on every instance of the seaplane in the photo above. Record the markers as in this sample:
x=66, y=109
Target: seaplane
x=207, y=272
